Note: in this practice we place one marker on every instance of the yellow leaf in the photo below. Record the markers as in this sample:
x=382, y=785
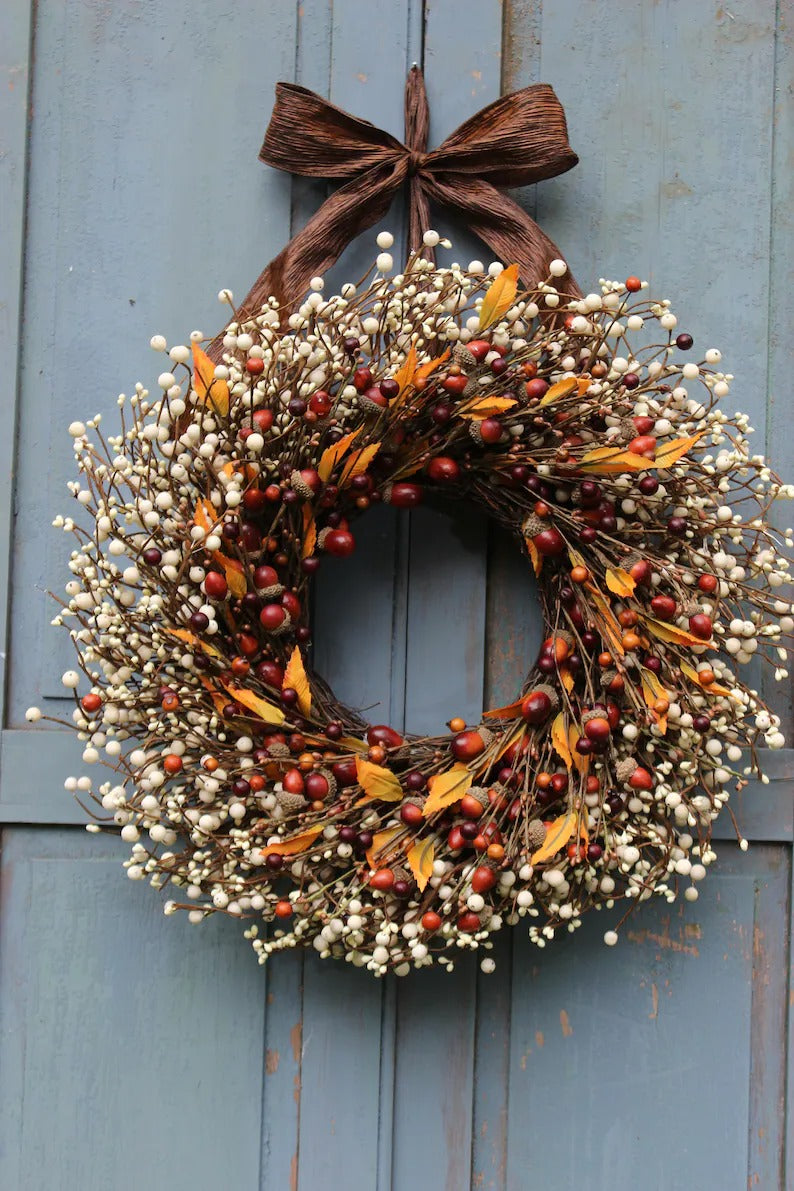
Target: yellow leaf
x=557, y=837
x=234, y=572
x=191, y=639
x=291, y=847
x=266, y=711
x=486, y=407
x=620, y=582
x=652, y=690
x=353, y=744
x=205, y=383
x=309, y=532
x=560, y=389
x=559, y=739
x=420, y=861
x=535, y=556
x=605, y=461
x=358, y=463
x=711, y=688
x=566, y=678
x=609, y=623
x=331, y=455
x=217, y=698
x=447, y=788
x=405, y=374
x=500, y=297
x=670, y=632
x=581, y=761
x=672, y=451
x=295, y=677
x=380, y=842
x=377, y=782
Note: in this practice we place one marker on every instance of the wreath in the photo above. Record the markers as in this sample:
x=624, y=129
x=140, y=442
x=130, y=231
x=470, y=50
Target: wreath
x=592, y=429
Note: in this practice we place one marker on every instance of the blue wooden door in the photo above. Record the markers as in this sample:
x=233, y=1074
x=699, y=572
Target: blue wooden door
x=139, y=1051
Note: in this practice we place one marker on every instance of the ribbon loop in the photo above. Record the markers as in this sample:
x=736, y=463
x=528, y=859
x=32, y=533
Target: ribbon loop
x=516, y=140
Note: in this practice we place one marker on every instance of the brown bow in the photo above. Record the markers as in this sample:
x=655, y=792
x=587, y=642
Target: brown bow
x=518, y=139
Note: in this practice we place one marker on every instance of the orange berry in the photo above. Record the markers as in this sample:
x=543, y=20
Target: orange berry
x=456, y=724
x=580, y=574
x=543, y=781
x=170, y=702
x=172, y=763
x=210, y=764
x=661, y=706
x=605, y=660
x=495, y=852
x=628, y=618
x=633, y=284
x=377, y=754
x=706, y=677
x=283, y=909
x=630, y=641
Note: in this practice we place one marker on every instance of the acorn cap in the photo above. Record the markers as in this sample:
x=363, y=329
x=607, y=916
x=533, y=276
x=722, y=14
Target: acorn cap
x=474, y=432
x=486, y=735
x=291, y=803
x=549, y=691
x=536, y=835
x=278, y=749
x=480, y=793
x=332, y=783
x=369, y=407
x=322, y=535
x=284, y=627
x=463, y=357
x=532, y=525
x=272, y=592
x=300, y=486
x=587, y=716
x=625, y=769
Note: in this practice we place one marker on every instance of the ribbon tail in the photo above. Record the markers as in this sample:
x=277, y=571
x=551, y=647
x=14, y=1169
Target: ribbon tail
x=313, y=250
x=501, y=224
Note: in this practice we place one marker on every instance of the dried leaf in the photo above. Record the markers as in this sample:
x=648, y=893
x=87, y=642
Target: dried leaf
x=206, y=384
x=557, y=837
x=560, y=389
x=652, y=690
x=206, y=516
x=486, y=407
x=580, y=760
x=234, y=572
x=510, y=739
x=298, y=843
x=358, y=463
x=255, y=703
x=672, y=451
x=377, y=783
x=218, y=700
x=424, y=370
x=380, y=842
x=197, y=642
x=566, y=678
x=447, y=788
x=420, y=861
x=609, y=623
x=295, y=677
x=309, y=532
x=670, y=632
x=331, y=455
x=559, y=739
x=620, y=582
x=500, y=297
x=535, y=556
x=711, y=688
x=406, y=373
x=504, y=713
x=607, y=461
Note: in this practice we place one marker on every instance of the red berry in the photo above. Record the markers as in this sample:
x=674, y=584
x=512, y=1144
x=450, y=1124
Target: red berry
x=291, y=602
x=443, y=469
x=470, y=807
x=411, y=814
x=270, y=673
x=254, y=366
x=490, y=430
x=317, y=787
x=340, y=543
x=663, y=607
x=405, y=496
x=467, y=745
x=469, y=922
x=549, y=542
x=311, y=478
x=633, y=284
x=536, y=707
x=700, y=625
x=265, y=576
x=483, y=879
x=320, y=403
x=362, y=379
x=383, y=879
x=272, y=616
x=597, y=729
x=640, y=571
x=91, y=702
x=172, y=763
x=283, y=909
x=641, y=779
x=215, y=585
x=345, y=772
x=374, y=394
x=536, y=388
x=431, y=920
x=262, y=419
x=643, y=444
x=708, y=584
x=479, y=348
x=383, y=734
x=293, y=782
x=455, y=384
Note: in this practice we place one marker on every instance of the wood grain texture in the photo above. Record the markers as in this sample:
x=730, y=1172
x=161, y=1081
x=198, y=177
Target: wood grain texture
x=134, y=1048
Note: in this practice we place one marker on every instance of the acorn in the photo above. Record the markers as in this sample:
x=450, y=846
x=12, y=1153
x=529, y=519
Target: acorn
x=532, y=525
x=278, y=749
x=625, y=768
x=463, y=357
x=306, y=482
x=541, y=702
x=536, y=835
x=468, y=745
x=411, y=812
x=475, y=433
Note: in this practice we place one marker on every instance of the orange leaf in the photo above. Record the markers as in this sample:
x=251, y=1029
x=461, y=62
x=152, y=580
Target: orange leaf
x=670, y=632
x=291, y=847
x=607, y=461
x=485, y=407
x=377, y=783
x=566, y=678
x=424, y=370
x=620, y=582
x=559, y=739
x=672, y=451
x=420, y=860
x=358, y=463
x=295, y=677
x=217, y=698
x=711, y=688
x=652, y=690
x=557, y=837
x=331, y=455
x=381, y=841
x=205, y=383
x=609, y=623
x=504, y=713
x=206, y=516
x=500, y=297
x=535, y=555
x=406, y=373
x=234, y=572
x=190, y=639
x=447, y=788
x=559, y=389
x=309, y=532
x=266, y=711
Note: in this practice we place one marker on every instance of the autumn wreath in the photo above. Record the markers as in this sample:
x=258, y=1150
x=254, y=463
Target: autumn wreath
x=591, y=428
